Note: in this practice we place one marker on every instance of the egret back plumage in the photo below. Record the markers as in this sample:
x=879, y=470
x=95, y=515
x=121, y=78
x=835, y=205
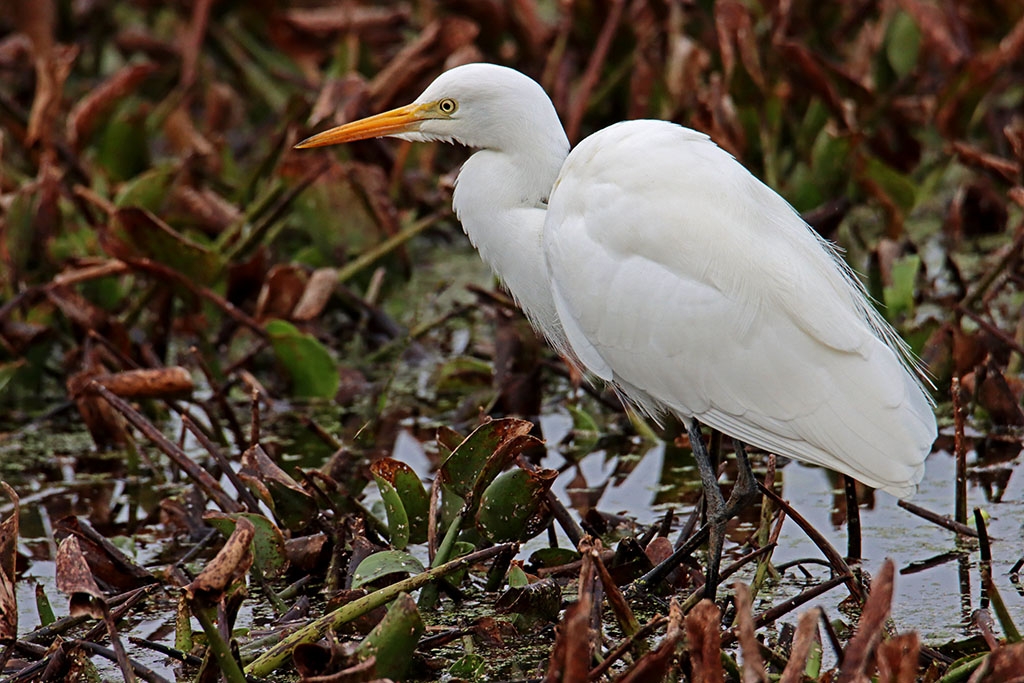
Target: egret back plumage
x=654, y=261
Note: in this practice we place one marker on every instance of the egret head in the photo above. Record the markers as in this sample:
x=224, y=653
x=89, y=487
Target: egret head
x=483, y=106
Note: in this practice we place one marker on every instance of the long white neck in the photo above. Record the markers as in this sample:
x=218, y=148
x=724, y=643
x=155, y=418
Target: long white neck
x=501, y=200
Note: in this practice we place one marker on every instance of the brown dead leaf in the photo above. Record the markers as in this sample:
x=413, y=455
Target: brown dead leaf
x=860, y=651
x=977, y=209
x=980, y=69
x=317, y=293
x=48, y=221
x=74, y=577
x=106, y=426
x=169, y=382
x=228, y=566
x=808, y=74
x=648, y=58
x=1014, y=132
x=753, y=666
x=969, y=350
x=806, y=636
x=345, y=18
x=705, y=642
x=533, y=34
x=656, y=665
x=186, y=139
x=51, y=72
x=340, y=100
x=138, y=40
x=517, y=364
x=420, y=58
x=212, y=212
x=970, y=155
x=328, y=661
x=15, y=51
x=364, y=623
x=998, y=394
x=372, y=183
x=107, y=564
x=897, y=659
x=37, y=20
x=258, y=465
x=8, y=561
x=659, y=549
x=18, y=336
x=495, y=632
x=688, y=61
x=735, y=29
x=1005, y=664
x=570, y=655
x=281, y=291
x=720, y=119
x=1006, y=52
x=222, y=107
x=192, y=40
x=305, y=552
x=85, y=115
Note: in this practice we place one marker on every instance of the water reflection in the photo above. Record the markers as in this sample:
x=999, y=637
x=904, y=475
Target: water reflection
x=932, y=588
x=626, y=476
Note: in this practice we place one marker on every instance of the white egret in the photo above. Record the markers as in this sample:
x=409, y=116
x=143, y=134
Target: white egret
x=656, y=262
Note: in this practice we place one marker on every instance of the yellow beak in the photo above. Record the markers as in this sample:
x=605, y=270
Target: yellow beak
x=402, y=120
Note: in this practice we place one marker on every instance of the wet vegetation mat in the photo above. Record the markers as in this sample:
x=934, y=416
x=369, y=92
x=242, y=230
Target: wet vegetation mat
x=265, y=415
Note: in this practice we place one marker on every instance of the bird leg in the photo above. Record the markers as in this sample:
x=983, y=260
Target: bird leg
x=719, y=511
x=744, y=491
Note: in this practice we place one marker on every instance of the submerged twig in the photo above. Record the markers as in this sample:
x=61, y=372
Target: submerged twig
x=941, y=520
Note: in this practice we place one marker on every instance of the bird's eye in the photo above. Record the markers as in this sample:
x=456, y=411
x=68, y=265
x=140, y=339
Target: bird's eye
x=447, y=106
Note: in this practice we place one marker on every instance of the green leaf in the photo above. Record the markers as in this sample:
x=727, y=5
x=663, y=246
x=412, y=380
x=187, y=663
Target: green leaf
x=517, y=577
x=830, y=160
x=183, y=626
x=137, y=232
x=383, y=564
x=514, y=506
x=398, y=519
x=268, y=549
x=148, y=190
x=122, y=146
x=458, y=550
x=462, y=375
x=292, y=506
x=447, y=441
x=899, y=188
x=464, y=466
x=902, y=44
x=585, y=432
x=43, y=607
x=8, y=371
x=19, y=231
x=469, y=667
x=899, y=296
x=305, y=359
x=394, y=639
x=553, y=557
x=406, y=501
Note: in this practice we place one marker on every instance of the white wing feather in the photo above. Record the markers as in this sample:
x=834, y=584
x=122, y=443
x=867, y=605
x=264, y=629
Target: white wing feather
x=675, y=270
